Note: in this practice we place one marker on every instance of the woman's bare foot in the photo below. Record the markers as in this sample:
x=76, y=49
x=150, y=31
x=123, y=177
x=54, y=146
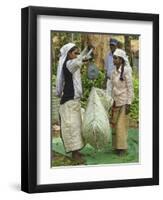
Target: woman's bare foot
x=77, y=157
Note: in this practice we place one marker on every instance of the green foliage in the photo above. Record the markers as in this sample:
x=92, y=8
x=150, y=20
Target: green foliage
x=99, y=82
x=54, y=80
x=58, y=40
x=134, y=110
x=88, y=84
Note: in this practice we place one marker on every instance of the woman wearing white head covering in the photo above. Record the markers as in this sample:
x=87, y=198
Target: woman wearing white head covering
x=122, y=93
x=69, y=89
x=60, y=80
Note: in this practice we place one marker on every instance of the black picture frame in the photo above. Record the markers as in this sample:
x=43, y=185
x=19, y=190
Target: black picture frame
x=29, y=99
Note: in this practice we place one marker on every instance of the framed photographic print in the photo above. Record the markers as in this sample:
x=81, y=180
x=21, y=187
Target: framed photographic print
x=90, y=99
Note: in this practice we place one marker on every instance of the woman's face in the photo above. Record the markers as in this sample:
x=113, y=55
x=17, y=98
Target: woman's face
x=73, y=54
x=117, y=60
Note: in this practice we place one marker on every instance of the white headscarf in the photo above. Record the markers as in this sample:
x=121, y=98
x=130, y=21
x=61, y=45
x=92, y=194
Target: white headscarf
x=60, y=79
x=121, y=53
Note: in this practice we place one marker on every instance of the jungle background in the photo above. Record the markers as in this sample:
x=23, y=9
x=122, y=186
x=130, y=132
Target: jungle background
x=130, y=43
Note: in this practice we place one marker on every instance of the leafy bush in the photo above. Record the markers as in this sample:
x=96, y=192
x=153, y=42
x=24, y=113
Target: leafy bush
x=88, y=84
x=99, y=83
x=134, y=114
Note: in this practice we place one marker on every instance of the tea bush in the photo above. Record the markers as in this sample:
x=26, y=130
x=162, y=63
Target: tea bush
x=99, y=83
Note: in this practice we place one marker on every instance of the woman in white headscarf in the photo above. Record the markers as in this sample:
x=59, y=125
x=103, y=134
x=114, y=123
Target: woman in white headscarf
x=122, y=93
x=69, y=89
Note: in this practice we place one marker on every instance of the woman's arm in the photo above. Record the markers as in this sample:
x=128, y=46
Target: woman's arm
x=129, y=83
x=74, y=65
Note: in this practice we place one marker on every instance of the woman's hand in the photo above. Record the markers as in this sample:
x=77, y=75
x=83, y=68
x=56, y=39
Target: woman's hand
x=86, y=58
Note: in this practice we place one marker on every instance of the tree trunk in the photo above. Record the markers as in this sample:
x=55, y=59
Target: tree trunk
x=100, y=42
x=128, y=49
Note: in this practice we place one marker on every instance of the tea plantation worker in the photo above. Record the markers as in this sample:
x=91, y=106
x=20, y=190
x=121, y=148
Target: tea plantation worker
x=69, y=89
x=122, y=93
x=109, y=66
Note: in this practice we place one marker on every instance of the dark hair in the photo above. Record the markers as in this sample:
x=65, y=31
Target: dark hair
x=122, y=70
x=72, y=49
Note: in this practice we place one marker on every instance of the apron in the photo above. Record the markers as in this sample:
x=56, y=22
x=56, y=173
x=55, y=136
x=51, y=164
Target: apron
x=71, y=123
x=119, y=123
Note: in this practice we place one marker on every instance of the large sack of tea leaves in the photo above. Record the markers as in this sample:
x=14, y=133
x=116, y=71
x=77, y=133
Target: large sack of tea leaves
x=105, y=98
x=96, y=127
